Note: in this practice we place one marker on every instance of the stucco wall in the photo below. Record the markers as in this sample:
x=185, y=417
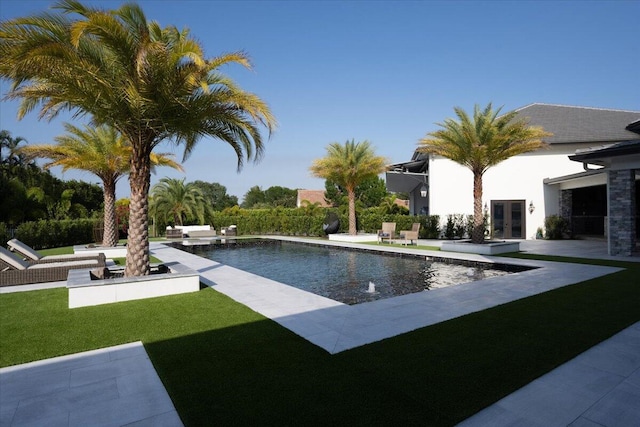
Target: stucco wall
x=517, y=178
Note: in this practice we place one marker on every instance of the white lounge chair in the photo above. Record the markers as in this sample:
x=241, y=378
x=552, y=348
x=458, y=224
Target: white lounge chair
x=14, y=271
x=30, y=254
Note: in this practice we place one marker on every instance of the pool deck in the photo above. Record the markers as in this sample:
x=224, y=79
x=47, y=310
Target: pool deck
x=599, y=387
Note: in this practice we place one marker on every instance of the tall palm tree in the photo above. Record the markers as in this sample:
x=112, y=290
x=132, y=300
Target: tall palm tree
x=349, y=165
x=150, y=83
x=12, y=147
x=173, y=200
x=480, y=143
x=104, y=152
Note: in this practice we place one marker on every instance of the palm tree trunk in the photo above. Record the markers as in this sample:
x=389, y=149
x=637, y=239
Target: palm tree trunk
x=110, y=233
x=351, y=194
x=138, y=240
x=477, y=234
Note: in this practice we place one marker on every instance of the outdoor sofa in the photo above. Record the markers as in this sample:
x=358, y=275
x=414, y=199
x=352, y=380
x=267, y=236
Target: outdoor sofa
x=14, y=271
x=31, y=255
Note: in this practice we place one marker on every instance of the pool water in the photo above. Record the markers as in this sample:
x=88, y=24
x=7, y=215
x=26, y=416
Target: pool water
x=341, y=274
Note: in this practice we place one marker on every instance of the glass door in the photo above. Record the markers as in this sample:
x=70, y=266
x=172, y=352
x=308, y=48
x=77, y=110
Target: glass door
x=507, y=219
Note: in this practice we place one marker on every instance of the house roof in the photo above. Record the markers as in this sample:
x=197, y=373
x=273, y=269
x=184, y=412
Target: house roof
x=602, y=155
x=570, y=124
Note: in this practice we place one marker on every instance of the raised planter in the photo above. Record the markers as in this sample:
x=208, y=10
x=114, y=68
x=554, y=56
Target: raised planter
x=86, y=292
x=119, y=251
x=487, y=248
x=344, y=237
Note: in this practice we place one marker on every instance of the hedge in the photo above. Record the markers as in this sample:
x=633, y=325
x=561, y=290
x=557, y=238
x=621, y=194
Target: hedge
x=52, y=234
x=301, y=222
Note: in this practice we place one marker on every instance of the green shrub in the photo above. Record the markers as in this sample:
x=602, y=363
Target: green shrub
x=556, y=227
x=51, y=234
x=4, y=234
x=308, y=222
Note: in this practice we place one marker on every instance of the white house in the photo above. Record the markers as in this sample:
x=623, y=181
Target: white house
x=588, y=175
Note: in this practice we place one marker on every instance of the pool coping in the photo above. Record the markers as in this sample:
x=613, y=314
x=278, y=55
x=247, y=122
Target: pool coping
x=337, y=327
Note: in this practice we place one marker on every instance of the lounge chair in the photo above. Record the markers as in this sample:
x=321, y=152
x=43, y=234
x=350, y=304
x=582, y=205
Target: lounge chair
x=14, y=271
x=31, y=255
x=410, y=236
x=388, y=232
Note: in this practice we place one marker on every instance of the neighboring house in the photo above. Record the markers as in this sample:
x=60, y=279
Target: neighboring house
x=312, y=196
x=588, y=175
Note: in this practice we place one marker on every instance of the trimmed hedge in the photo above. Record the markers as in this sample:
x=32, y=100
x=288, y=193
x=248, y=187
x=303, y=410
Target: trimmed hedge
x=52, y=234
x=302, y=222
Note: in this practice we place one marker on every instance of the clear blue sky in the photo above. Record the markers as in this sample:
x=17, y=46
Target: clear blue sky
x=383, y=71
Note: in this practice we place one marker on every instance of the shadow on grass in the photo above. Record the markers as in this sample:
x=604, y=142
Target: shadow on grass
x=261, y=373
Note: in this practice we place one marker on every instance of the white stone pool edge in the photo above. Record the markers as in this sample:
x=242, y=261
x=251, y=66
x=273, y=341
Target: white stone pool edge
x=337, y=327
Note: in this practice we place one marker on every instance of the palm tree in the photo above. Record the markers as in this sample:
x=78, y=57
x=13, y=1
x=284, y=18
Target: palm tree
x=479, y=144
x=151, y=83
x=349, y=165
x=12, y=146
x=173, y=201
x=103, y=152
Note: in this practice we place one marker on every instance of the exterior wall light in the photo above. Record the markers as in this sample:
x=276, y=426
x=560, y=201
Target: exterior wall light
x=531, y=207
x=423, y=191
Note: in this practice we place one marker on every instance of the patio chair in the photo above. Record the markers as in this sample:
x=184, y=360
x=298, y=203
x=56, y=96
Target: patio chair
x=388, y=232
x=410, y=236
x=14, y=271
x=31, y=255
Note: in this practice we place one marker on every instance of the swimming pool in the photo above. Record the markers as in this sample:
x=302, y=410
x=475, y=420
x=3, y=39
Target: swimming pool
x=348, y=276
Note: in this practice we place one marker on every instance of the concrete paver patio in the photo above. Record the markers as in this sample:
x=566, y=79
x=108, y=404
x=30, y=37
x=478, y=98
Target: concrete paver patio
x=599, y=387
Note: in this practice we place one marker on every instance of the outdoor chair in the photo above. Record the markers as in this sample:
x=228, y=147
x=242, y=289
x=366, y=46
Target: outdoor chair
x=33, y=256
x=14, y=271
x=410, y=236
x=388, y=232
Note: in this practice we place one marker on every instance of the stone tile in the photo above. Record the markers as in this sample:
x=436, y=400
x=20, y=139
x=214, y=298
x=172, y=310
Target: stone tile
x=122, y=411
x=621, y=407
x=168, y=419
x=495, y=416
x=41, y=409
x=583, y=422
x=111, y=369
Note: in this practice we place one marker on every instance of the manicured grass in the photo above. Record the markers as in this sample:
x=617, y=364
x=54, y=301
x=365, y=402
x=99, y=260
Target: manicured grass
x=225, y=364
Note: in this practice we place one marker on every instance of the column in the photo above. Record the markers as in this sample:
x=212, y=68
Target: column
x=622, y=207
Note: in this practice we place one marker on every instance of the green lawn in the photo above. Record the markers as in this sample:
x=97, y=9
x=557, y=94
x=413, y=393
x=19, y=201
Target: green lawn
x=225, y=364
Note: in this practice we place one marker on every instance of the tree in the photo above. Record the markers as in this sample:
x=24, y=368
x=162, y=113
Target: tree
x=370, y=192
x=281, y=196
x=216, y=195
x=252, y=197
x=348, y=166
x=173, y=201
x=11, y=146
x=479, y=144
x=103, y=152
x=151, y=83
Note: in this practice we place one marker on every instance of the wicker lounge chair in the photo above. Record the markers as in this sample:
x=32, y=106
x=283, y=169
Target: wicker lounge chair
x=31, y=255
x=14, y=271
x=388, y=232
x=410, y=236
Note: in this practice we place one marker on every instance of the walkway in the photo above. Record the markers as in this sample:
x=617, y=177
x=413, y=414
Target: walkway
x=599, y=387
x=114, y=386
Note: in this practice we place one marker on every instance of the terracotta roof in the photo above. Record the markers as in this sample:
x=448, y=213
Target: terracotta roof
x=313, y=196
